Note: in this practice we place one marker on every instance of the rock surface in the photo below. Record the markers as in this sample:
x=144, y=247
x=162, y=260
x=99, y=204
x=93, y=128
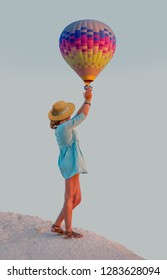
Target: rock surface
x=25, y=237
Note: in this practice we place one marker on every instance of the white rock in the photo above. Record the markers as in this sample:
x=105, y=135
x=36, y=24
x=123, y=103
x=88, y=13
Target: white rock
x=29, y=238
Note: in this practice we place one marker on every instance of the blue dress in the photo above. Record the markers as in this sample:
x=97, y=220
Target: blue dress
x=71, y=160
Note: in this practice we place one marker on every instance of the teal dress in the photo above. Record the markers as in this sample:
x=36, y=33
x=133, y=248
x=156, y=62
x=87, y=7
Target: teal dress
x=71, y=160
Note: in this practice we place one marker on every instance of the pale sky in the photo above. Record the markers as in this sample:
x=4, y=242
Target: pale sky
x=124, y=137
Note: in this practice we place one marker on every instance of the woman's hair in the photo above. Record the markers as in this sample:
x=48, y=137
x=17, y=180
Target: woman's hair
x=56, y=123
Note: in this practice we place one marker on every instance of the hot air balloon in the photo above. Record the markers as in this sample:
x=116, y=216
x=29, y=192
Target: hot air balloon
x=87, y=46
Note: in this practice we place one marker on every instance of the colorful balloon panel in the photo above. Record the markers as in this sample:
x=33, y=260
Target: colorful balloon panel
x=87, y=46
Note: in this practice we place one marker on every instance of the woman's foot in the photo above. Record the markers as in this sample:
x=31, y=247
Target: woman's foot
x=57, y=229
x=72, y=234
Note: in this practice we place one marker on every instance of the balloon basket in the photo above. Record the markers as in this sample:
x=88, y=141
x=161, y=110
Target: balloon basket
x=88, y=86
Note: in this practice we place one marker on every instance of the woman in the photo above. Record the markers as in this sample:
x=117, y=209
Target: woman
x=71, y=162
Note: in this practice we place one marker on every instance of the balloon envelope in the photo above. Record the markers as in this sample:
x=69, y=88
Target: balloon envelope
x=87, y=46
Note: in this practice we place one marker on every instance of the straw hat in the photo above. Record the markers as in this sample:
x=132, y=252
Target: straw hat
x=61, y=111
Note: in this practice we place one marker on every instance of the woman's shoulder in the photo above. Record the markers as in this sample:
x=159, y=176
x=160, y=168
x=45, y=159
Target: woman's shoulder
x=60, y=127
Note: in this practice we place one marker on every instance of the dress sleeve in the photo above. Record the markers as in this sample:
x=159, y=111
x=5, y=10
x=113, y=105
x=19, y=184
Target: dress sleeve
x=75, y=121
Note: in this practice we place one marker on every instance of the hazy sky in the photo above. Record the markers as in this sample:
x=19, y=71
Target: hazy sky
x=124, y=137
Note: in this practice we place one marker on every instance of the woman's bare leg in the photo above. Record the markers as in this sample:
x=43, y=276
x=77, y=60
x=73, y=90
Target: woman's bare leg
x=67, y=208
x=76, y=198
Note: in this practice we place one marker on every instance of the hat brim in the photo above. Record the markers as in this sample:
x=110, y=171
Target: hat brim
x=68, y=113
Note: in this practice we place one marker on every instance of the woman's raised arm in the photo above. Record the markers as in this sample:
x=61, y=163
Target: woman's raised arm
x=87, y=103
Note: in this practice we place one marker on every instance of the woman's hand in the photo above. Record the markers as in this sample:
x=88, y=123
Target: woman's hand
x=86, y=105
x=88, y=94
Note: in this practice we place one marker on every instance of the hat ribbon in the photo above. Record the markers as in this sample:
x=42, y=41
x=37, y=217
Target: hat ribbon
x=54, y=113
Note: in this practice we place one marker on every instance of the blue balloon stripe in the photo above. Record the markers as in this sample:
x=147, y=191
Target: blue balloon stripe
x=102, y=34
x=77, y=34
